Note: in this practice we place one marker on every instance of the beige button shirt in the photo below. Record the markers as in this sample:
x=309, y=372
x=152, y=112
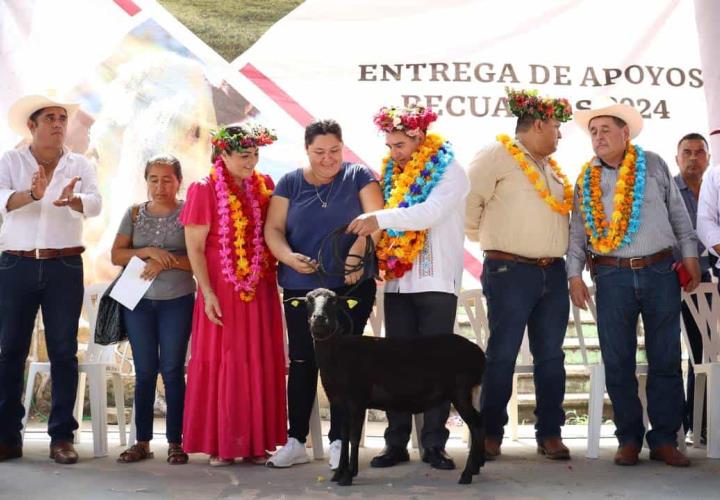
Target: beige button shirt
x=505, y=212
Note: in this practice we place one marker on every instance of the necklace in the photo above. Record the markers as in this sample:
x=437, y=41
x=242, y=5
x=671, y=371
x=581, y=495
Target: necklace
x=562, y=207
x=324, y=203
x=607, y=234
x=405, y=187
x=46, y=163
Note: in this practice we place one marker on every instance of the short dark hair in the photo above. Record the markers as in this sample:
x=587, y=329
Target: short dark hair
x=524, y=123
x=693, y=136
x=322, y=127
x=33, y=117
x=165, y=159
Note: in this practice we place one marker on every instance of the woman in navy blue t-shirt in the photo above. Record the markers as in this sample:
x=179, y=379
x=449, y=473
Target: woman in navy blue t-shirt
x=308, y=204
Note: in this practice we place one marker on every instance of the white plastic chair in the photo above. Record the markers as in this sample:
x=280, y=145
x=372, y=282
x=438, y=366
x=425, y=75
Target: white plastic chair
x=597, y=393
x=473, y=302
x=707, y=372
x=98, y=363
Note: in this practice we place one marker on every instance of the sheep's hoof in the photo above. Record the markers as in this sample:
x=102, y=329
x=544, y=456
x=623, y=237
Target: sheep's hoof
x=465, y=478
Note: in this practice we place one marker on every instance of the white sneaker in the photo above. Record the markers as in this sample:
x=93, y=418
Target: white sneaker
x=335, y=449
x=291, y=454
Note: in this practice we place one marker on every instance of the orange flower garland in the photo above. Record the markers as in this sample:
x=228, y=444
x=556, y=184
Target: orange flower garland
x=563, y=207
x=606, y=236
x=403, y=187
x=245, y=214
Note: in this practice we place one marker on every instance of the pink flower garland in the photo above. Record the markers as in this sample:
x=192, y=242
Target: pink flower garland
x=244, y=278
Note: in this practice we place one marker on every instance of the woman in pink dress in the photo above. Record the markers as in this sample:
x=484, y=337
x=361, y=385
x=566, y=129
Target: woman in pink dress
x=235, y=399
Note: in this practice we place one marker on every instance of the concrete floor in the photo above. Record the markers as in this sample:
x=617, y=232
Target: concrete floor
x=519, y=474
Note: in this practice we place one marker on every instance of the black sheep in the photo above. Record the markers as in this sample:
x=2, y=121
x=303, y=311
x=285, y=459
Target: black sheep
x=410, y=375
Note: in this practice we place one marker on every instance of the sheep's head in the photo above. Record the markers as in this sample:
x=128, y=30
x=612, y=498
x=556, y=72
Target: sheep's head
x=322, y=306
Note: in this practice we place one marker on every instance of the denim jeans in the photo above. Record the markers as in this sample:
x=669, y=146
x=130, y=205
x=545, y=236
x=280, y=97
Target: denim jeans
x=56, y=286
x=520, y=295
x=159, y=331
x=622, y=295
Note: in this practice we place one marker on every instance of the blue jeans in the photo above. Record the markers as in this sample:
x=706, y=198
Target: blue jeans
x=56, y=286
x=622, y=295
x=520, y=295
x=159, y=331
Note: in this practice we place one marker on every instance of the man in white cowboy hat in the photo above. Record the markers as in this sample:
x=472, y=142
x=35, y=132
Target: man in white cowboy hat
x=628, y=214
x=45, y=192
x=518, y=209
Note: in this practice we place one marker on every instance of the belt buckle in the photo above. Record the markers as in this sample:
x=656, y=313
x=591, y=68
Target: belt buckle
x=544, y=261
x=37, y=254
x=633, y=259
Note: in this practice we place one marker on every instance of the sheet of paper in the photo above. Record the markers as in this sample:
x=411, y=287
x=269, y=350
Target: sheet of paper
x=130, y=288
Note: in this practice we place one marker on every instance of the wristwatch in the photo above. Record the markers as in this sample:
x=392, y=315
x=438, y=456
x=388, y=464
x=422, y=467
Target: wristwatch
x=32, y=195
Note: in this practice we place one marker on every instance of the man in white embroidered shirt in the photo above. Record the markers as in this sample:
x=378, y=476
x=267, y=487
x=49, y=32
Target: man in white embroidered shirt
x=420, y=253
x=45, y=193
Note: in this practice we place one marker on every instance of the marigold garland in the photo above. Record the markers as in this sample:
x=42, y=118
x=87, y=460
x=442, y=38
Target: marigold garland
x=241, y=213
x=404, y=187
x=564, y=207
x=606, y=236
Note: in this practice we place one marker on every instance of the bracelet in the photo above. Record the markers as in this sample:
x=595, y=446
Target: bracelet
x=30, y=192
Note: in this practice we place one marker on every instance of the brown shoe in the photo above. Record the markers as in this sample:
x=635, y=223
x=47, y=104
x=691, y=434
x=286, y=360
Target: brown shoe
x=492, y=448
x=9, y=452
x=627, y=454
x=553, y=448
x=63, y=453
x=670, y=455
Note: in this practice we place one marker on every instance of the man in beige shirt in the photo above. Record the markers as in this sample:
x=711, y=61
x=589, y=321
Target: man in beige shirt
x=518, y=209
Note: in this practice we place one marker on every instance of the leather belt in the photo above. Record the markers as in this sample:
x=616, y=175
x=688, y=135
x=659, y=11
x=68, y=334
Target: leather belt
x=47, y=253
x=632, y=262
x=540, y=262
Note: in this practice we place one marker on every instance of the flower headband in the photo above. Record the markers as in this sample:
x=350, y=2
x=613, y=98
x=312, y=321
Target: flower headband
x=527, y=103
x=412, y=119
x=231, y=138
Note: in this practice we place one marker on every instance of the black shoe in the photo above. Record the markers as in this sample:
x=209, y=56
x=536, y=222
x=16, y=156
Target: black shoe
x=391, y=455
x=9, y=452
x=438, y=459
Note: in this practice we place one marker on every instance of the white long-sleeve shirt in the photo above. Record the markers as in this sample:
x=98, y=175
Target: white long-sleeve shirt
x=41, y=224
x=439, y=266
x=708, y=215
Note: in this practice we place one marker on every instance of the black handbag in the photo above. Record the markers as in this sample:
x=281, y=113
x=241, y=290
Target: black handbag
x=109, y=325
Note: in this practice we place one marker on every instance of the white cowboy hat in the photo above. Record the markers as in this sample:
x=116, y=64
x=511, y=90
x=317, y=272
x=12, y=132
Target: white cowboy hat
x=604, y=106
x=21, y=110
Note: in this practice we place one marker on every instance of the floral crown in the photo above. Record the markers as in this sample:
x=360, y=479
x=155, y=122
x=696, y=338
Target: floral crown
x=412, y=119
x=238, y=137
x=527, y=103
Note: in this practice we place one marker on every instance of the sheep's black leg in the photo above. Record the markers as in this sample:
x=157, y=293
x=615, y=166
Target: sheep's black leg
x=343, y=466
x=357, y=420
x=473, y=419
x=343, y=475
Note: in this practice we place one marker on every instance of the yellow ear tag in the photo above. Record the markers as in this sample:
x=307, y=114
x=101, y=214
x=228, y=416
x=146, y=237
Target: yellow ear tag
x=352, y=303
x=294, y=303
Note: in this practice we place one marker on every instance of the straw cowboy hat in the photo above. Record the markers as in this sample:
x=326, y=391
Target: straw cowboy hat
x=604, y=106
x=21, y=110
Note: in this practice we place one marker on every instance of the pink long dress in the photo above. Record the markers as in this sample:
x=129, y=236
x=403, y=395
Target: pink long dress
x=235, y=398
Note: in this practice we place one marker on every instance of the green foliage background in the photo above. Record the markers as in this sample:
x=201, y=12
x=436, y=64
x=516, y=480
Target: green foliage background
x=229, y=27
